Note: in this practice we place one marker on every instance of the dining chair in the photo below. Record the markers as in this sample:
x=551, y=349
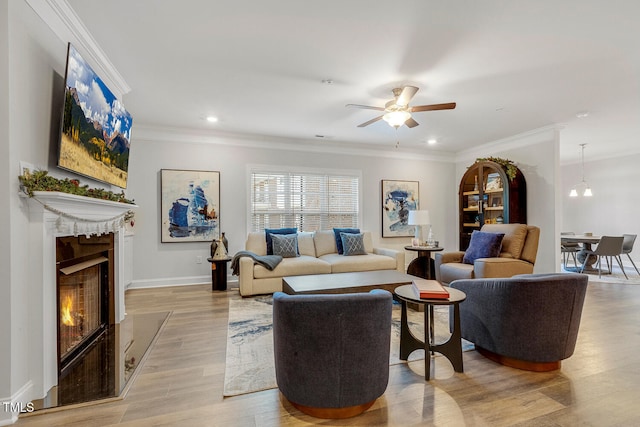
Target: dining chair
x=569, y=249
x=627, y=247
x=609, y=247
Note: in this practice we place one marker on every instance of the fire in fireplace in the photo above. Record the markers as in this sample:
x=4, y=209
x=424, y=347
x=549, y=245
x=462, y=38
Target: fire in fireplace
x=81, y=315
x=85, y=317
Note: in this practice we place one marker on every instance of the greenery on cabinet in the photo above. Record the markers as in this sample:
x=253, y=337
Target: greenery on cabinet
x=492, y=191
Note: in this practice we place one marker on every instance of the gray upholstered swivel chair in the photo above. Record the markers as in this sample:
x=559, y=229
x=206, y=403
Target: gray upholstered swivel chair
x=332, y=350
x=627, y=247
x=528, y=321
x=609, y=247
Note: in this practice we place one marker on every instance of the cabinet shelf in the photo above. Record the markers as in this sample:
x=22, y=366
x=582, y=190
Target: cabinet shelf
x=494, y=187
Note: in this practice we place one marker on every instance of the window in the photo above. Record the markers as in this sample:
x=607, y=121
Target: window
x=318, y=200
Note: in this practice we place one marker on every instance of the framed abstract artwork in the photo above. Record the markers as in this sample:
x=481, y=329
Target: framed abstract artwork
x=398, y=198
x=190, y=205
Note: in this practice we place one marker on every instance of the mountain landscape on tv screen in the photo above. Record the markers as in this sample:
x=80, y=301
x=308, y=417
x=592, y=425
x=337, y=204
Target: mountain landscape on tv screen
x=95, y=127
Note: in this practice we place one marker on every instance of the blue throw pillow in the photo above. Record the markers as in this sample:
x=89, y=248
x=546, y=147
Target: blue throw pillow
x=483, y=245
x=285, y=245
x=269, y=231
x=337, y=232
x=353, y=244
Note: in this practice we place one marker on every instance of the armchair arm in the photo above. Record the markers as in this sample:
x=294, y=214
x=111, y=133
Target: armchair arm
x=500, y=267
x=445, y=258
x=245, y=279
x=397, y=255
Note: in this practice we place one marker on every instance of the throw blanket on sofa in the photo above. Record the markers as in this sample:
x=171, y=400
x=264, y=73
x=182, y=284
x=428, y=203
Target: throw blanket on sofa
x=267, y=261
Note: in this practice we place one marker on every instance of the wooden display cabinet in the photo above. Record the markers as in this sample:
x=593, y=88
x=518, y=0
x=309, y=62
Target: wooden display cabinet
x=488, y=195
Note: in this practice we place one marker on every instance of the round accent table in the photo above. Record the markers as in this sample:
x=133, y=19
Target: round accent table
x=422, y=266
x=219, y=273
x=452, y=349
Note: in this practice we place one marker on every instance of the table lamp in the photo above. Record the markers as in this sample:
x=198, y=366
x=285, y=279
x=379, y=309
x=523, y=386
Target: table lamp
x=419, y=218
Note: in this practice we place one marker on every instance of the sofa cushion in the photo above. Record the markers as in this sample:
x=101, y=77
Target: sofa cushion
x=454, y=271
x=338, y=231
x=305, y=243
x=352, y=244
x=269, y=231
x=514, y=238
x=256, y=243
x=285, y=245
x=325, y=242
x=368, y=262
x=293, y=267
x=483, y=245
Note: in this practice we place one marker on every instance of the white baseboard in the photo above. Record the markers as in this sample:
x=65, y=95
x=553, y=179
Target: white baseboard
x=12, y=406
x=177, y=281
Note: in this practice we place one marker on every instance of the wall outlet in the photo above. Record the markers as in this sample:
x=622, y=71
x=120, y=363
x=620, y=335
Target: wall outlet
x=198, y=260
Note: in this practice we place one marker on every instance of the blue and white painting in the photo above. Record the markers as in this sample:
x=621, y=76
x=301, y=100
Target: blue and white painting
x=398, y=198
x=190, y=205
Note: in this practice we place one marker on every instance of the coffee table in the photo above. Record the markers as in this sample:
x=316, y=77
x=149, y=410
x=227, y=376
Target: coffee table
x=340, y=283
x=452, y=349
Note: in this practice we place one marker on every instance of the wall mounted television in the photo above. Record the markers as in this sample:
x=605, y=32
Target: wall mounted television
x=96, y=129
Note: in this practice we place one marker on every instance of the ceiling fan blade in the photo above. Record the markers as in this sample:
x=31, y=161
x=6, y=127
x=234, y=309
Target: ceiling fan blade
x=432, y=107
x=370, y=121
x=411, y=123
x=365, y=107
x=406, y=95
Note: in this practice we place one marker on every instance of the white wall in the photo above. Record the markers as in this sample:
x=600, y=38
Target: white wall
x=157, y=263
x=537, y=155
x=612, y=210
x=35, y=60
x=5, y=212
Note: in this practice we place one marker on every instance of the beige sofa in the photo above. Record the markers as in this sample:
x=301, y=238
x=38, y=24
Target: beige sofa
x=318, y=255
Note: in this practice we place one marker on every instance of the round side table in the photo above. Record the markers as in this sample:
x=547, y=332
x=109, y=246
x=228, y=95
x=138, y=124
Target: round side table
x=452, y=349
x=422, y=266
x=219, y=273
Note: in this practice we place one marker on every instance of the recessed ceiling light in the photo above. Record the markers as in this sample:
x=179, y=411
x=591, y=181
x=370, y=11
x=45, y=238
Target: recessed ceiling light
x=432, y=141
x=212, y=119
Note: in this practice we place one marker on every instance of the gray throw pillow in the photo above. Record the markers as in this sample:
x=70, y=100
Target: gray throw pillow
x=353, y=244
x=285, y=245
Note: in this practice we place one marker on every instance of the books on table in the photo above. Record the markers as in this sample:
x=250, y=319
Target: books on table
x=429, y=289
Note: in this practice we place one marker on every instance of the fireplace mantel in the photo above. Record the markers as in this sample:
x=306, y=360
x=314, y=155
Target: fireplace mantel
x=52, y=215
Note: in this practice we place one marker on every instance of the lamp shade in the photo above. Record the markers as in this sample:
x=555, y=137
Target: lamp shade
x=419, y=218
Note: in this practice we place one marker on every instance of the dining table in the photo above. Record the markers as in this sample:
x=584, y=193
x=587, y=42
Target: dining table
x=586, y=240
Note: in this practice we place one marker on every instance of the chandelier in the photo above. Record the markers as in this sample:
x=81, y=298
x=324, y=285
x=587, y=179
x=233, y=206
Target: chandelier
x=583, y=184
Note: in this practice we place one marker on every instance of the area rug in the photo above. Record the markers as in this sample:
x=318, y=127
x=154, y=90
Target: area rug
x=616, y=275
x=250, y=365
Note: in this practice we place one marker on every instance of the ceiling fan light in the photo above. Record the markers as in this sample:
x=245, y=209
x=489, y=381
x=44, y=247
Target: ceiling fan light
x=573, y=193
x=587, y=192
x=396, y=118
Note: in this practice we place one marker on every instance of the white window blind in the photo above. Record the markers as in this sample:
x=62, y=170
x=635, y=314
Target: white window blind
x=308, y=201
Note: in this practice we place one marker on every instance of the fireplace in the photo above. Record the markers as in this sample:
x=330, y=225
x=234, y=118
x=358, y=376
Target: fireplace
x=73, y=233
x=85, y=314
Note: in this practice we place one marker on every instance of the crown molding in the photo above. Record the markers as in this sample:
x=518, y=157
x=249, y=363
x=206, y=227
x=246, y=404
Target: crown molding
x=182, y=135
x=66, y=24
x=520, y=140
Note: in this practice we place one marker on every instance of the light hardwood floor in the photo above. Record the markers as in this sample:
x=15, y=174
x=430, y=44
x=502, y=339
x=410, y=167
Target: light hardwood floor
x=181, y=382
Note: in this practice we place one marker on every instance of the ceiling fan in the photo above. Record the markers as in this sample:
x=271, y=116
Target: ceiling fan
x=397, y=112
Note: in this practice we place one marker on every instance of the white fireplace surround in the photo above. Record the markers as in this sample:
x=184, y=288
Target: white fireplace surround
x=52, y=215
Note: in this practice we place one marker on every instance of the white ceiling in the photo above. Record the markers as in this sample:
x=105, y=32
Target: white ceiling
x=511, y=66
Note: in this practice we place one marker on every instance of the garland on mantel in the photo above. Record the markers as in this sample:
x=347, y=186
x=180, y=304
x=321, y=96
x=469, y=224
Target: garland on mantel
x=40, y=181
